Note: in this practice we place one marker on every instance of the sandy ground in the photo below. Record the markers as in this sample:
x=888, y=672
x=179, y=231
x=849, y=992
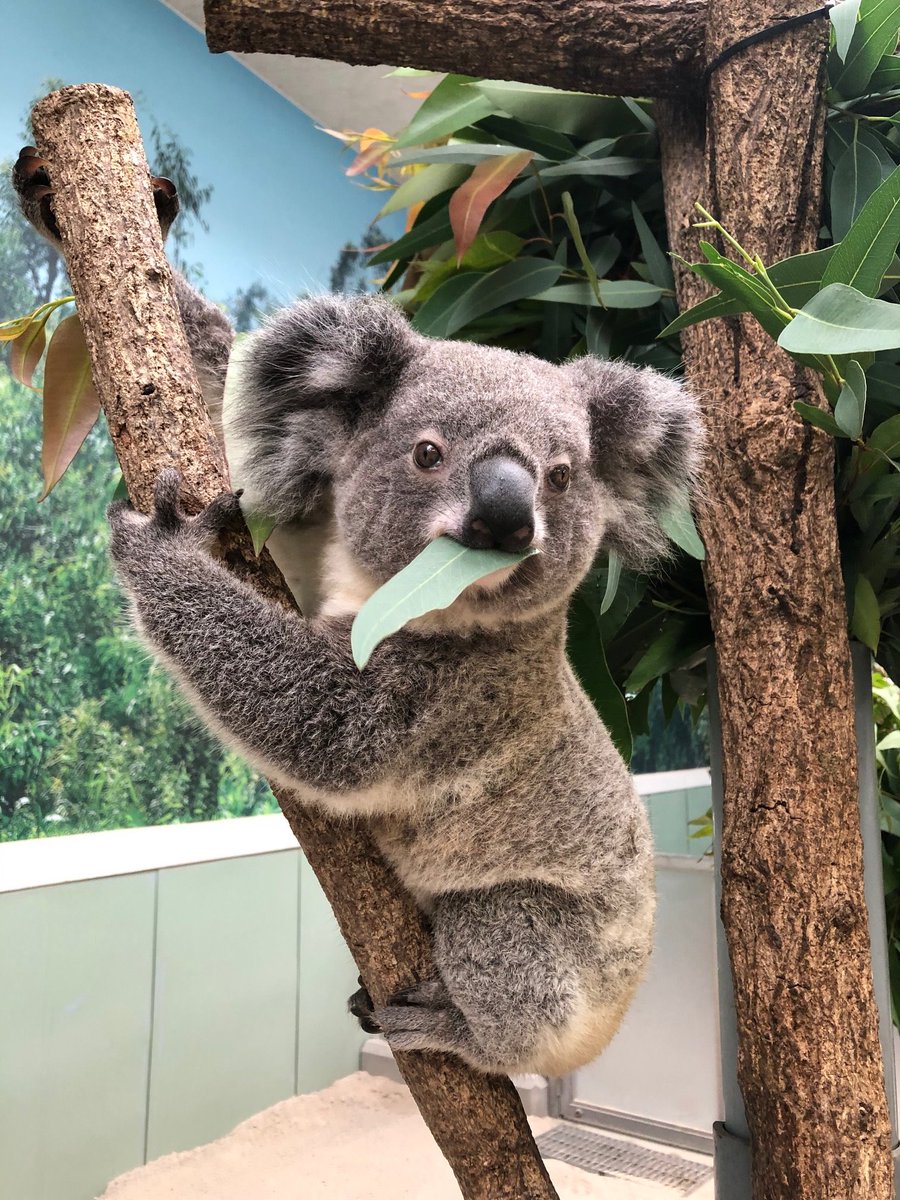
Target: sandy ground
x=360, y=1139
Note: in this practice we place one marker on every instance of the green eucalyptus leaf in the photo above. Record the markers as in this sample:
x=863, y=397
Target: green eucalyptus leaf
x=658, y=263
x=120, y=492
x=603, y=252
x=874, y=35
x=865, y=623
x=260, y=527
x=843, y=20
x=525, y=135
x=841, y=320
x=614, y=293
x=433, y=580
x=677, y=523
x=883, y=380
x=423, y=185
x=466, y=297
x=886, y=77
x=672, y=648
x=850, y=410
x=748, y=289
x=797, y=278
x=585, y=650
x=818, y=417
x=885, y=489
x=452, y=105
x=425, y=233
x=856, y=176
x=613, y=575
x=575, y=113
x=867, y=249
x=706, y=310
x=575, y=170
x=468, y=154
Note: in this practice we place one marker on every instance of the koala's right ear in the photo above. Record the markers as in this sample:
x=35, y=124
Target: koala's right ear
x=646, y=440
x=307, y=378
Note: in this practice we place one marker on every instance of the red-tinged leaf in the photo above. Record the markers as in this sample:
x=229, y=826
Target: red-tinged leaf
x=26, y=351
x=71, y=405
x=370, y=157
x=470, y=201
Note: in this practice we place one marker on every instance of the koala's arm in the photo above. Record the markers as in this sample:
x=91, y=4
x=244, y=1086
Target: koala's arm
x=284, y=690
x=208, y=330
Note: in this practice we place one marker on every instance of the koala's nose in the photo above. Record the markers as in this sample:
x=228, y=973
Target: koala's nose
x=501, y=514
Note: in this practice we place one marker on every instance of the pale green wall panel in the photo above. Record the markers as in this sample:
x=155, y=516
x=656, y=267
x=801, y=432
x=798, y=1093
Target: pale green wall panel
x=74, y=1035
x=668, y=820
x=699, y=802
x=225, y=1007
x=329, y=1039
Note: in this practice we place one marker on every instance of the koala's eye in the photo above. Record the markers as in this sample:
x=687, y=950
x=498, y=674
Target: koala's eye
x=427, y=456
x=559, y=477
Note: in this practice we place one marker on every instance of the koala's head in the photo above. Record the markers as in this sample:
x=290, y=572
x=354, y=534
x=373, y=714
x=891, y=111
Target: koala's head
x=414, y=438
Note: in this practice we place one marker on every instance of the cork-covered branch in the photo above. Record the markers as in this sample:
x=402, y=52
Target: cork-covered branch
x=143, y=373
x=623, y=47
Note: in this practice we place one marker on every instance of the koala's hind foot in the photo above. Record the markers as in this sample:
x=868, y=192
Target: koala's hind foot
x=424, y=1017
x=31, y=180
x=361, y=1006
x=531, y=982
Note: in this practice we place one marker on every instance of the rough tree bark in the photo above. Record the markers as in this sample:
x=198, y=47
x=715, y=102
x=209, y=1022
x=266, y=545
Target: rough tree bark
x=809, y=1061
x=143, y=373
x=631, y=47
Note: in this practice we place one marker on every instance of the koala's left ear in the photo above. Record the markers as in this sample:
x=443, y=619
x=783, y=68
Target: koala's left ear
x=646, y=439
x=307, y=378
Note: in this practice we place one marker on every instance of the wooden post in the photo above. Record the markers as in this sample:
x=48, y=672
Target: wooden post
x=793, y=908
x=143, y=374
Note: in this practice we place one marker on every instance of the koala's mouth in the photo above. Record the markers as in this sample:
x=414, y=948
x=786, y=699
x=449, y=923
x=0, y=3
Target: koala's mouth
x=508, y=581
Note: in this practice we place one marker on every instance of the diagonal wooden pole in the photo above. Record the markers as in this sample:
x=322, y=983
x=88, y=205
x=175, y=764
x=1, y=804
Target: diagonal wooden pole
x=143, y=373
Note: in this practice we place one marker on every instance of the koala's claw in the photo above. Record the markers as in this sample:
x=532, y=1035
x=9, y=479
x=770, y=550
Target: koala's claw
x=31, y=180
x=169, y=520
x=361, y=1006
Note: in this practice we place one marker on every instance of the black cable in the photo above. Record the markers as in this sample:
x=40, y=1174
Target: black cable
x=764, y=35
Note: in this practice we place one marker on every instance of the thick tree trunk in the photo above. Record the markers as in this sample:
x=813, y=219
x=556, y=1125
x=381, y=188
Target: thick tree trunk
x=142, y=371
x=792, y=870
x=625, y=47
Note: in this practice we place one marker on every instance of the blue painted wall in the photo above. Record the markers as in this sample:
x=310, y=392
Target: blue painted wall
x=261, y=154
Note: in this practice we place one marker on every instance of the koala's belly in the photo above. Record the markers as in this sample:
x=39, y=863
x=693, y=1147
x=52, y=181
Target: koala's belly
x=461, y=839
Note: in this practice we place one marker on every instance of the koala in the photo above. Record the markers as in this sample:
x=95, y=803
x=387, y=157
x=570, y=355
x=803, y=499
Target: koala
x=467, y=743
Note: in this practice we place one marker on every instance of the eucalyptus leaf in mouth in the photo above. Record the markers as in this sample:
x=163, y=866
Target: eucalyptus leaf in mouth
x=433, y=580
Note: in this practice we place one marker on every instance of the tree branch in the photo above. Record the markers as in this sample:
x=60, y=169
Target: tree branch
x=624, y=47
x=142, y=370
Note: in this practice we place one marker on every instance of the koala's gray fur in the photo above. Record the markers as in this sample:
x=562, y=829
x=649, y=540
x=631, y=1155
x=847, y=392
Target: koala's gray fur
x=489, y=781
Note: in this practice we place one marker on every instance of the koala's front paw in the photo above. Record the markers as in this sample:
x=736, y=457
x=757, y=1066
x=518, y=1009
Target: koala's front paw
x=31, y=180
x=137, y=538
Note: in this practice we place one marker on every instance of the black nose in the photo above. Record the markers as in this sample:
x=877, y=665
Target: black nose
x=501, y=514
